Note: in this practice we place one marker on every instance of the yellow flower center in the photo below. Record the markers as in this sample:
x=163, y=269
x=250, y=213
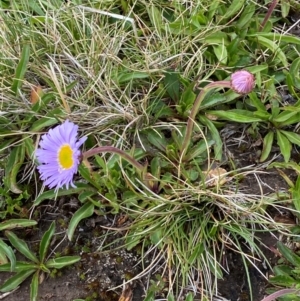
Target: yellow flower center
x=65, y=156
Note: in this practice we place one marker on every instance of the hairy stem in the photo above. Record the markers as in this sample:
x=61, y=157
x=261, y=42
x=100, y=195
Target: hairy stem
x=195, y=109
x=112, y=149
x=280, y=293
x=268, y=14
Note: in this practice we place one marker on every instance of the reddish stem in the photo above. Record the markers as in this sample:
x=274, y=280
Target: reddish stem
x=112, y=149
x=195, y=109
x=268, y=14
x=280, y=293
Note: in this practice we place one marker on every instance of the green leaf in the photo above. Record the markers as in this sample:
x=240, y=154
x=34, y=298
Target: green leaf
x=257, y=103
x=288, y=254
x=85, y=173
x=21, y=246
x=36, y=8
x=284, y=116
x=58, y=263
x=283, y=280
x=189, y=297
x=15, y=161
x=150, y=296
x=155, y=167
x=221, y=53
x=29, y=147
x=295, y=66
x=51, y=194
x=172, y=84
x=285, y=8
x=234, y=8
x=15, y=281
x=8, y=251
x=291, y=165
x=257, y=68
x=85, y=211
x=293, y=137
x=214, y=99
x=85, y=195
x=155, y=16
x=262, y=115
x=186, y=101
x=246, y=15
x=156, y=237
x=290, y=83
x=267, y=146
x=282, y=270
x=216, y=38
x=20, y=266
x=42, y=123
x=292, y=120
x=21, y=69
x=294, y=72
x=218, y=143
x=34, y=286
x=284, y=145
x=45, y=242
x=126, y=77
x=170, y=297
x=157, y=139
x=296, y=193
x=274, y=48
x=3, y=257
x=235, y=115
x=16, y=223
x=282, y=38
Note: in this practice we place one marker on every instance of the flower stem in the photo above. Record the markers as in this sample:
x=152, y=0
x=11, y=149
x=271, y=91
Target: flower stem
x=280, y=293
x=112, y=149
x=268, y=14
x=195, y=109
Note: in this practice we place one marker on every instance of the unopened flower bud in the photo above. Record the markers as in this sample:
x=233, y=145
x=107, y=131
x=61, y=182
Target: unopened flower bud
x=242, y=82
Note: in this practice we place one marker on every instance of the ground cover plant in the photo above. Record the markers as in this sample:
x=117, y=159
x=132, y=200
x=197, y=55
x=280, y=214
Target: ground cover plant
x=126, y=106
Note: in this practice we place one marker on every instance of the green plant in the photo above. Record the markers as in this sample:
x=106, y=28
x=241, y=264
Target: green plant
x=37, y=266
x=273, y=124
x=294, y=186
x=6, y=253
x=286, y=273
x=129, y=75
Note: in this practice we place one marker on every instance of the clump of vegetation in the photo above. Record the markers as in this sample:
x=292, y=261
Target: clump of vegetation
x=150, y=89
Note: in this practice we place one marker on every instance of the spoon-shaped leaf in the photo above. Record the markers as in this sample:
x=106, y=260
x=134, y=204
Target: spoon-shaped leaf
x=45, y=242
x=14, y=281
x=85, y=211
x=6, y=250
x=21, y=246
x=16, y=223
x=34, y=286
x=58, y=263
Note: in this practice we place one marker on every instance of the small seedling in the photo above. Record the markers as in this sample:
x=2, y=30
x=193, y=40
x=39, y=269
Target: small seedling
x=37, y=265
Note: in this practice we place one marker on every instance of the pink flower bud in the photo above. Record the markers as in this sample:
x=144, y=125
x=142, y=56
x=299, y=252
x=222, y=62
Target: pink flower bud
x=242, y=82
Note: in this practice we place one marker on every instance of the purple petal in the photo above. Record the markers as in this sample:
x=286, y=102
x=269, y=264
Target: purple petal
x=51, y=172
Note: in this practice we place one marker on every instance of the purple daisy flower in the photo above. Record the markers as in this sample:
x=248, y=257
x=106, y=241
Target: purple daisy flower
x=59, y=155
x=242, y=82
